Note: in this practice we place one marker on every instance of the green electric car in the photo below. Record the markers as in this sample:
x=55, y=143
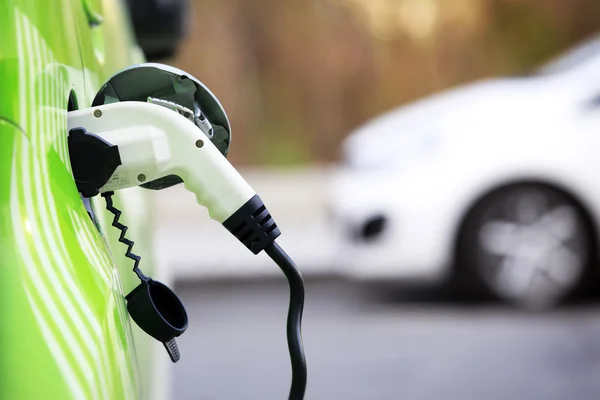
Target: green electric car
x=65, y=332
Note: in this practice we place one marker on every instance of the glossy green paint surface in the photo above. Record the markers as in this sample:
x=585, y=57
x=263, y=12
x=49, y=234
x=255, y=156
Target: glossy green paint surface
x=64, y=329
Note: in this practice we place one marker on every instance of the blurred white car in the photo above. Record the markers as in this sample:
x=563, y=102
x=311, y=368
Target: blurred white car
x=496, y=183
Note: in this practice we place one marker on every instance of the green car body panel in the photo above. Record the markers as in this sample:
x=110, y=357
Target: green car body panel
x=65, y=332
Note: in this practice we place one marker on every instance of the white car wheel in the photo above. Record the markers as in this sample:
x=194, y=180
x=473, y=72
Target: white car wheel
x=528, y=244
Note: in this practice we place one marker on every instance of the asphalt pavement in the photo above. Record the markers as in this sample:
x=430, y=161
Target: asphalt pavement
x=360, y=347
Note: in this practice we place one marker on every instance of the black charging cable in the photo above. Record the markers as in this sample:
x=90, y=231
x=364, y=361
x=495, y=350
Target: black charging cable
x=254, y=226
x=294, y=319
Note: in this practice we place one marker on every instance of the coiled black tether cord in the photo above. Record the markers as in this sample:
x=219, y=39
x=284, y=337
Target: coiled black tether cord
x=129, y=243
x=294, y=319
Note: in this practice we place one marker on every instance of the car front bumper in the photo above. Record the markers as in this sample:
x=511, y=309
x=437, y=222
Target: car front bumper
x=389, y=228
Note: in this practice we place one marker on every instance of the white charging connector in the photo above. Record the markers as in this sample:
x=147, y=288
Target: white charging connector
x=145, y=142
x=155, y=142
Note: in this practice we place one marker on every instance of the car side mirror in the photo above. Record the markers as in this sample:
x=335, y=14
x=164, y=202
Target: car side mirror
x=159, y=25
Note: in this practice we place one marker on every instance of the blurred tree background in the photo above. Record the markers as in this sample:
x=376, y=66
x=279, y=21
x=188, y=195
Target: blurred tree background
x=296, y=76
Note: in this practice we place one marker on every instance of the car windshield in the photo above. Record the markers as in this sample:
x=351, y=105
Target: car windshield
x=572, y=58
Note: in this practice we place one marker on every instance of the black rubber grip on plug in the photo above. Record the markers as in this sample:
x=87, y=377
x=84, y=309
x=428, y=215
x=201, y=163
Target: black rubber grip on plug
x=253, y=225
